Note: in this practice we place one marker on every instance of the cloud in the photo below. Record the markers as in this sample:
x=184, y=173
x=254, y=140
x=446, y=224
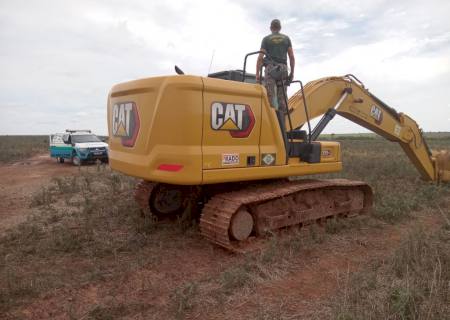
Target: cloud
x=59, y=59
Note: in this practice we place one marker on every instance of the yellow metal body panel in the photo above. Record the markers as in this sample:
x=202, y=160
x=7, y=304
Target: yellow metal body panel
x=194, y=130
x=256, y=173
x=218, y=143
x=170, y=131
x=330, y=161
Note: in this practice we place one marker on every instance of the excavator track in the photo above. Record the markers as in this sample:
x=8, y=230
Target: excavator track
x=279, y=205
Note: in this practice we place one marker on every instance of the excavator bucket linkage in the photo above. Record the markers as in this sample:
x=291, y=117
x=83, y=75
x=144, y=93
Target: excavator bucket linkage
x=442, y=163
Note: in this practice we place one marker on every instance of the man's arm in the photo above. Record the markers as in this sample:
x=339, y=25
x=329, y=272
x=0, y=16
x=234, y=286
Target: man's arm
x=259, y=63
x=291, y=62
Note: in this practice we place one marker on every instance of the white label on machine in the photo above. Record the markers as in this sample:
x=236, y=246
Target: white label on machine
x=268, y=159
x=326, y=153
x=377, y=114
x=397, y=130
x=230, y=159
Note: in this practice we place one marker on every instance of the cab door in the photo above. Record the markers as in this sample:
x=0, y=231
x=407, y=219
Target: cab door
x=231, y=124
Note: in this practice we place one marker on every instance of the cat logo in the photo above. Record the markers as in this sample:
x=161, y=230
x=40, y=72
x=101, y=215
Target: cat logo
x=377, y=114
x=238, y=119
x=125, y=122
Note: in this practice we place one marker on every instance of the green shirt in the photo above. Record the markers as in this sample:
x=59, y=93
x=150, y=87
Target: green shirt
x=276, y=46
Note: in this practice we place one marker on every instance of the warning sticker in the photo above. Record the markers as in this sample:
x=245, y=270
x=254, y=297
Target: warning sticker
x=377, y=114
x=230, y=159
x=268, y=159
x=326, y=153
x=397, y=130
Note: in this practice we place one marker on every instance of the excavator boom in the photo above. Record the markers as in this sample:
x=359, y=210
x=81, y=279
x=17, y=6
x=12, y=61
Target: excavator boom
x=348, y=97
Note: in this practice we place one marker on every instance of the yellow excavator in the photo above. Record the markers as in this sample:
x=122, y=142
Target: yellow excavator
x=215, y=145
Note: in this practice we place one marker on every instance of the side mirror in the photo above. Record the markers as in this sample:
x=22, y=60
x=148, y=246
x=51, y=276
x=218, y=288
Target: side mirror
x=178, y=70
x=66, y=139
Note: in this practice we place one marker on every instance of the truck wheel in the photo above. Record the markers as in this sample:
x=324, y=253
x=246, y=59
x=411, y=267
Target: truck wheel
x=76, y=161
x=61, y=160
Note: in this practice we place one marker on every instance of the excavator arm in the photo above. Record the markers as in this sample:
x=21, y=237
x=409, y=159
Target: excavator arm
x=348, y=97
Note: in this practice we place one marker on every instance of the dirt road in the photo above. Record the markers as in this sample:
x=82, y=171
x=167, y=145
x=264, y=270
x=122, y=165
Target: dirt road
x=20, y=180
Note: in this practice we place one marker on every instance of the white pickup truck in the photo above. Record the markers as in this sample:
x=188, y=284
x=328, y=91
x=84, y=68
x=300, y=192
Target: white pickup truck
x=79, y=146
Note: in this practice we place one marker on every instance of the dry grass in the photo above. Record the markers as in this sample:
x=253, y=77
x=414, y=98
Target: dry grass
x=90, y=216
x=411, y=284
x=397, y=186
x=88, y=232
x=21, y=147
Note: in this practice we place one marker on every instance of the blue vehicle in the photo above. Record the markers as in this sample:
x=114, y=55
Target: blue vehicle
x=79, y=146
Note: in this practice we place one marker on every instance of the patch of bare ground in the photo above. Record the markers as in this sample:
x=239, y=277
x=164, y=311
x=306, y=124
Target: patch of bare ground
x=19, y=180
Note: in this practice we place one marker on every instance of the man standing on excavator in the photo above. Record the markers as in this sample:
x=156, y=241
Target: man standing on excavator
x=277, y=47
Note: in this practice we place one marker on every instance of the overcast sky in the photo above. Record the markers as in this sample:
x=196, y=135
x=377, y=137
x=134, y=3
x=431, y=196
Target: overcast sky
x=58, y=59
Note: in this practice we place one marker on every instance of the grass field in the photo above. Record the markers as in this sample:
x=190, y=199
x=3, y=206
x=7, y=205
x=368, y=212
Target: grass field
x=86, y=253
x=397, y=185
x=15, y=148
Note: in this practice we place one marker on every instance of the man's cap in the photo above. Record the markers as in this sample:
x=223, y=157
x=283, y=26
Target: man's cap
x=275, y=24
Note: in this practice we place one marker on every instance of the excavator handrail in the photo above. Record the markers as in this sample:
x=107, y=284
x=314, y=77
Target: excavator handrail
x=354, y=78
x=306, y=108
x=260, y=69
